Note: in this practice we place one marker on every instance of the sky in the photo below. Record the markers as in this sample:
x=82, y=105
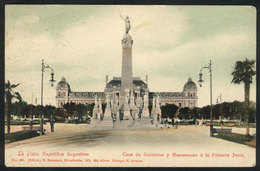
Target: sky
x=171, y=43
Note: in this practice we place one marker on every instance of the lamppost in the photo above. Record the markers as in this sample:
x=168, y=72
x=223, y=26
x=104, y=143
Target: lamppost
x=45, y=66
x=220, y=109
x=200, y=84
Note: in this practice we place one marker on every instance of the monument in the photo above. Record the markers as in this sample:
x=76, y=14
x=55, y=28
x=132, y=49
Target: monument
x=157, y=114
x=96, y=113
x=127, y=98
x=126, y=93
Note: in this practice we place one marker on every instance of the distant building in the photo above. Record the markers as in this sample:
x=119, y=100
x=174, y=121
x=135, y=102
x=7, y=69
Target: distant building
x=187, y=98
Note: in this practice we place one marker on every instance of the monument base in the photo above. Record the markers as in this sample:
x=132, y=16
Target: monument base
x=157, y=119
x=106, y=123
x=127, y=115
x=124, y=124
x=145, y=120
x=145, y=112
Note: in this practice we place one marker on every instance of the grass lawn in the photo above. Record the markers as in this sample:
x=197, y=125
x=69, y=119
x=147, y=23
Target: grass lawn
x=14, y=122
x=21, y=135
x=242, y=125
x=234, y=137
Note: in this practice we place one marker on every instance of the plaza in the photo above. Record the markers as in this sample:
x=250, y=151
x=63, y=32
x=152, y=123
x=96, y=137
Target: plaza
x=129, y=125
x=183, y=146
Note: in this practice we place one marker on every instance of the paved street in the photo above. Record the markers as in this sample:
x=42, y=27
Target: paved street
x=161, y=147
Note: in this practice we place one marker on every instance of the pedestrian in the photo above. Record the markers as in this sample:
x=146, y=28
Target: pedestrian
x=52, y=122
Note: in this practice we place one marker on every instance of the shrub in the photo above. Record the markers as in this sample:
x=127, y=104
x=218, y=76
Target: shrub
x=21, y=135
x=238, y=138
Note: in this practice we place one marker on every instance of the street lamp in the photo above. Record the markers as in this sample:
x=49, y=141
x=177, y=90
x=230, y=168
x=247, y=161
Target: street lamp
x=45, y=66
x=200, y=84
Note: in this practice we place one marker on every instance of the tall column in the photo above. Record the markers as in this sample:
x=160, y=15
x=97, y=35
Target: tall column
x=127, y=74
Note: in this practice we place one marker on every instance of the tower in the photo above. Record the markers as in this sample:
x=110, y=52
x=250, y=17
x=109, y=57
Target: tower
x=62, y=92
x=190, y=92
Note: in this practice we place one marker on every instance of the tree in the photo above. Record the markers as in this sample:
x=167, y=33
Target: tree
x=18, y=108
x=60, y=114
x=81, y=110
x=169, y=110
x=40, y=109
x=90, y=108
x=9, y=96
x=205, y=112
x=183, y=113
x=70, y=108
x=196, y=114
x=243, y=73
x=49, y=110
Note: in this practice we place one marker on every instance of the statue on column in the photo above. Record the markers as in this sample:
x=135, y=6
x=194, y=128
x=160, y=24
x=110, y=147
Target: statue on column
x=127, y=23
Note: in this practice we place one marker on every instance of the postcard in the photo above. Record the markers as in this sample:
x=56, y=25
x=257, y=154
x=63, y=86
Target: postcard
x=130, y=86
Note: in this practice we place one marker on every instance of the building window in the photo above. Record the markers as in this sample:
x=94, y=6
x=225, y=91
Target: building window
x=188, y=94
x=194, y=95
x=64, y=94
x=179, y=104
x=59, y=94
x=61, y=104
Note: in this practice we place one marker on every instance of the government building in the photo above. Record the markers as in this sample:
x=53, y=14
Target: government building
x=187, y=98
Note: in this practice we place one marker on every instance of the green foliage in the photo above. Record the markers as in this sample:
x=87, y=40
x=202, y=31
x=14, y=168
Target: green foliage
x=205, y=112
x=14, y=122
x=195, y=113
x=19, y=108
x=243, y=72
x=183, y=113
x=169, y=110
x=21, y=135
x=70, y=108
x=234, y=137
x=81, y=110
x=90, y=108
x=49, y=110
x=9, y=95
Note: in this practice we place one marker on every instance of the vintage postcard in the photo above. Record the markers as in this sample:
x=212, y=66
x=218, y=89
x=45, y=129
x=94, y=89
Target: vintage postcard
x=130, y=86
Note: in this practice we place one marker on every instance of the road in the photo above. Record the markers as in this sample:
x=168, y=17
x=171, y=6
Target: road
x=187, y=146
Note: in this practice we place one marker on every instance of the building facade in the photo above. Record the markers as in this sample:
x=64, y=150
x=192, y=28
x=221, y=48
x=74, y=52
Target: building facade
x=187, y=98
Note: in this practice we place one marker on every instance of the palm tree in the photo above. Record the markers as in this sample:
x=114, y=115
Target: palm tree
x=9, y=95
x=243, y=73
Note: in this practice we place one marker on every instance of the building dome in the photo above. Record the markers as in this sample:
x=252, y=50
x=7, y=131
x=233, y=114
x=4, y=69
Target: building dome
x=63, y=84
x=190, y=85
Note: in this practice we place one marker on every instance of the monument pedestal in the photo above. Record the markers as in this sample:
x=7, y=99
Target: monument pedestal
x=124, y=124
x=127, y=114
x=145, y=120
x=145, y=112
x=106, y=123
x=157, y=119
